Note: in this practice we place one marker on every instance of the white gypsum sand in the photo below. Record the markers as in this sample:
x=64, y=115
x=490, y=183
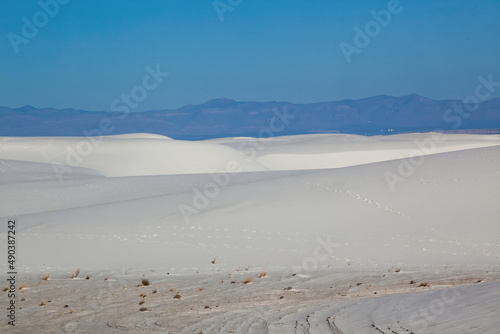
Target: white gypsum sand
x=316, y=213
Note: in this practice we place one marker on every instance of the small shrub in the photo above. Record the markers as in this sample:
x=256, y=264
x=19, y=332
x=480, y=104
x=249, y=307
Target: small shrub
x=105, y=278
x=46, y=277
x=288, y=288
x=201, y=289
x=172, y=289
x=142, y=309
x=262, y=274
x=42, y=303
x=248, y=280
x=145, y=282
x=142, y=302
x=177, y=296
x=154, y=291
x=75, y=273
x=5, y=289
x=23, y=286
x=87, y=278
x=412, y=282
x=424, y=284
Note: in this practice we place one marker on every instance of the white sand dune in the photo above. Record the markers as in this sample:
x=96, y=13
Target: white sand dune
x=317, y=206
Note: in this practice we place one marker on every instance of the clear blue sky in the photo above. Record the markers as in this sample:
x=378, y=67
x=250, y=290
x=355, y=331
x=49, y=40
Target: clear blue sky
x=92, y=51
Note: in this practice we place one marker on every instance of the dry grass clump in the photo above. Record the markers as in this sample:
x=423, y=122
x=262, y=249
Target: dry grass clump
x=142, y=302
x=106, y=278
x=75, y=273
x=23, y=287
x=5, y=289
x=46, y=277
x=145, y=282
x=154, y=291
x=177, y=296
x=42, y=303
x=87, y=278
x=248, y=280
x=172, y=290
x=424, y=284
x=263, y=274
x=142, y=309
x=201, y=289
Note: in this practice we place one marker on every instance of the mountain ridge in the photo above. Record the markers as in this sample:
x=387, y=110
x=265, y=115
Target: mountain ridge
x=223, y=117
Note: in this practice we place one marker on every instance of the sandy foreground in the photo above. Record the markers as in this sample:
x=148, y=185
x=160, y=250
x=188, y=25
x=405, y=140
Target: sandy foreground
x=300, y=234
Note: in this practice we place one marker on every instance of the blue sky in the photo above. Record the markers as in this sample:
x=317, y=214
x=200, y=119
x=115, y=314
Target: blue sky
x=92, y=51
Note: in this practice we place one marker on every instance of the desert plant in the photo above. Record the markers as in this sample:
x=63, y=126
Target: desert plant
x=142, y=302
x=142, y=309
x=42, y=303
x=145, y=282
x=75, y=273
x=23, y=286
x=213, y=261
x=177, y=296
x=5, y=289
x=87, y=278
x=424, y=284
x=262, y=274
x=248, y=280
x=46, y=277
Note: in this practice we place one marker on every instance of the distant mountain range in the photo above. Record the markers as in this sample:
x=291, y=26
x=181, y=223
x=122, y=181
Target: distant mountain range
x=224, y=118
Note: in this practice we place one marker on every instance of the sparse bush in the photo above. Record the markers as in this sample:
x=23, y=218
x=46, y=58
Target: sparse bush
x=5, y=289
x=172, y=289
x=105, y=278
x=412, y=282
x=75, y=273
x=142, y=309
x=42, y=303
x=23, y=286
x=288, y=288
x=46, y=277
x=424, y=284
x=201, y=289
x=142, y=302
x=87, y=278
x=248, y=280
x=154, y=291
x=177, y=296
x=262, y=274
x=145, y=282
